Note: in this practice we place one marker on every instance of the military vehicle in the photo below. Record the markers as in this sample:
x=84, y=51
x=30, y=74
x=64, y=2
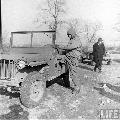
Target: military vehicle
x=31, y=63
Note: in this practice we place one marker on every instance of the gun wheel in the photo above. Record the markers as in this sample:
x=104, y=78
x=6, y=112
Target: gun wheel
x=32, y=90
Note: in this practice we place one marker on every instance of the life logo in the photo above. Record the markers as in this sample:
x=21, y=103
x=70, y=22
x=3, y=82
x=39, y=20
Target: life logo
x=110, y=114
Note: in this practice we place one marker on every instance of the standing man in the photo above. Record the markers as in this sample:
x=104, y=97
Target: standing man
x=66, y=65
x=98, y=52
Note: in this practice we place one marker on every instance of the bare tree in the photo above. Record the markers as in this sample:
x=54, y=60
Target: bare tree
x=87, y=29
x=117, y=27
x=91, y=30
x=51, y=15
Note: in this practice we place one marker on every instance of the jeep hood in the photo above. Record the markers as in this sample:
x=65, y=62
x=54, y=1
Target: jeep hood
x=18, y=53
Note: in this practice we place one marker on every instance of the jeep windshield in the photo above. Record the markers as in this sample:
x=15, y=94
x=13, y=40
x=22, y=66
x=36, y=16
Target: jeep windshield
x=31, y=38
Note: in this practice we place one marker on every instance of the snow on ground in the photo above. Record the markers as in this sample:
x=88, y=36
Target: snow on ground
x=111, y=73
x=61, y=104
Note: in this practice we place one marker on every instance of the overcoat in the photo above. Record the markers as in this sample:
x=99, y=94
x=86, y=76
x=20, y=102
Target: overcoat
x=98, y=52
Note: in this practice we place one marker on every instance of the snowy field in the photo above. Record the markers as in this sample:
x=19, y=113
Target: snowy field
x=61, y=104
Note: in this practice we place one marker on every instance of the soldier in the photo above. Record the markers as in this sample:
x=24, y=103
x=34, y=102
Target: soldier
x=63, y=79
x=73, y=44
x=98, y=52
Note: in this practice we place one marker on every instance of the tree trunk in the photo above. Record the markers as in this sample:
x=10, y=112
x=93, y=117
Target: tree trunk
x=54, y=38
x=54, y=35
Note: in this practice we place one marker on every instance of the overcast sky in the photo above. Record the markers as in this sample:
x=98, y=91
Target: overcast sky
x=20, y=14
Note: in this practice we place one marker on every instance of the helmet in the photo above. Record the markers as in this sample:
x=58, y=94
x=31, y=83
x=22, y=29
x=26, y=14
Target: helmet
x=71, y=32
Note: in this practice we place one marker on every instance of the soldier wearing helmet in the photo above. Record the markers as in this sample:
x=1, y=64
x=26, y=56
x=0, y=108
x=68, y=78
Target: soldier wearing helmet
x=74, y=41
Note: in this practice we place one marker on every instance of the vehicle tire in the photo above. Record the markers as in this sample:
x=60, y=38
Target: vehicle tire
x=32, y=90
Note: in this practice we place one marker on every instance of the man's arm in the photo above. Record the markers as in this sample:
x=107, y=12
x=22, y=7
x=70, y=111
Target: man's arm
x=94, y=49
x=67, y=50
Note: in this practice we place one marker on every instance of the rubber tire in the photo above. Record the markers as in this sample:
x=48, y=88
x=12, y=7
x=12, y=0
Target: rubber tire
x=25, y=91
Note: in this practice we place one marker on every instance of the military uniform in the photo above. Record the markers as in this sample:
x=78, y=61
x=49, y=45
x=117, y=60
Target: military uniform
x=63, y=79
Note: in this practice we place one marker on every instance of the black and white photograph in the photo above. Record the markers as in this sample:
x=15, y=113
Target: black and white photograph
x=60, y=60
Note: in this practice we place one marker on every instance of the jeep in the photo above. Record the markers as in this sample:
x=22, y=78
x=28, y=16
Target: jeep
x=32, y=64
